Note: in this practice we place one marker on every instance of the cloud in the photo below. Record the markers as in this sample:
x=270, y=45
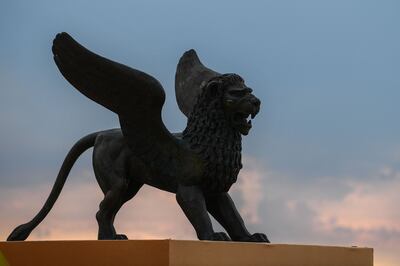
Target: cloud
x=329, y=206
x=328, y=211
x=369, y=206
x=249, y=189
x=151, y=214
x=342, y=211
x=368, y=215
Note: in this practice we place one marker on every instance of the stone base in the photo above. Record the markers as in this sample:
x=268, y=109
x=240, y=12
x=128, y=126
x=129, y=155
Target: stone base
x=178, y=252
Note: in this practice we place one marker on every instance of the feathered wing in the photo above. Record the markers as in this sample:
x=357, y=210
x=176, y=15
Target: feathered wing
x=190, y=78
x=134, y=95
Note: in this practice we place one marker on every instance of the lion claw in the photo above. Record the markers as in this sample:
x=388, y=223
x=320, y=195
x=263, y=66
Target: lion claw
x=217, y=236
x=257, y=237
x=121, y=237
x=220, y=236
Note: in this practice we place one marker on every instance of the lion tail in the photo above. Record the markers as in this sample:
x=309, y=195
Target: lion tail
x=22, y=231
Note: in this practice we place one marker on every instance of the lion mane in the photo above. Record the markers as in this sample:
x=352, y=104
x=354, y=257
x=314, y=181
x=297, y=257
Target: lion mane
x=209, y=133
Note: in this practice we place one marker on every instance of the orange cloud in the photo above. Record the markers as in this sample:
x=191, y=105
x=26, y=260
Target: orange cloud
x=249, y=187
x=151, y=214
x=369, y=206
x=369, y=214
x=366, y=215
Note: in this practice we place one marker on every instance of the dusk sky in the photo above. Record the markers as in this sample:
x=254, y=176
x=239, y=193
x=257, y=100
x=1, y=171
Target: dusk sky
x=321, y=164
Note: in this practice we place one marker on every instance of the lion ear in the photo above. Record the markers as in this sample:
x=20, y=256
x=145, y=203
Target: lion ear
x=190, y=79
x=212, y=87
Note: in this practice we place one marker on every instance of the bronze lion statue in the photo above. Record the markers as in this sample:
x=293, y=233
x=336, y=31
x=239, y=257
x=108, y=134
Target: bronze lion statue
x=199, y=164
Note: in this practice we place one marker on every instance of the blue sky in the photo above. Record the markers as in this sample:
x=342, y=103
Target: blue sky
x=327, y=73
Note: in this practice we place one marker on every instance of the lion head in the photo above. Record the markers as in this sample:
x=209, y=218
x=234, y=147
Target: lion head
x=240, y=104
x=229, y=95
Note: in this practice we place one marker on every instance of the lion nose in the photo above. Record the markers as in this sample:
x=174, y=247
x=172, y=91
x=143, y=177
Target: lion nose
x=256, y=101
x=256, y=106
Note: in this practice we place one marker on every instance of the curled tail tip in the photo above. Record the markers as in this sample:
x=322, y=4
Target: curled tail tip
x=20, y=233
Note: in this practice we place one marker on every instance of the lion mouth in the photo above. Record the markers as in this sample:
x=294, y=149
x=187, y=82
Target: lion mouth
x=244, y=119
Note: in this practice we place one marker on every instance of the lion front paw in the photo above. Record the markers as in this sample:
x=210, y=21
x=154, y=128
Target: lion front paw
x=257, y=237
x=121, y=237
x=220, y=236
x=217, y=236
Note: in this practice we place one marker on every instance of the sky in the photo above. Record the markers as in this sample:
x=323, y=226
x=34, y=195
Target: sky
x=321, y=164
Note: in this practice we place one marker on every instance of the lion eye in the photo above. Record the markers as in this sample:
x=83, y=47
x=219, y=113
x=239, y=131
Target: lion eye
x=238, y=93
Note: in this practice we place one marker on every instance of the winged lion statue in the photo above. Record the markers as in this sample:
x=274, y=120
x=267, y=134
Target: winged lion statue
x=199, y=164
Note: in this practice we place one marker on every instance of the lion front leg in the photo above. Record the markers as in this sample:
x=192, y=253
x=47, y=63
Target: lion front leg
x=192, y=202
x=222, y=207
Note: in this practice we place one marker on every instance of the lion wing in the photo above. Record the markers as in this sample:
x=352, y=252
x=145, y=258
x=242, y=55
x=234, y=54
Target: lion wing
x=135, y=96
x=190, y=78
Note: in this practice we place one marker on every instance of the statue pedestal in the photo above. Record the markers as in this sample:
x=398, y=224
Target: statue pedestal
x=178, y=252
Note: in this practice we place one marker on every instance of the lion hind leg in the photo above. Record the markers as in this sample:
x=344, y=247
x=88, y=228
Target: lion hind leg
x=132, y=190
x=120, y=192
